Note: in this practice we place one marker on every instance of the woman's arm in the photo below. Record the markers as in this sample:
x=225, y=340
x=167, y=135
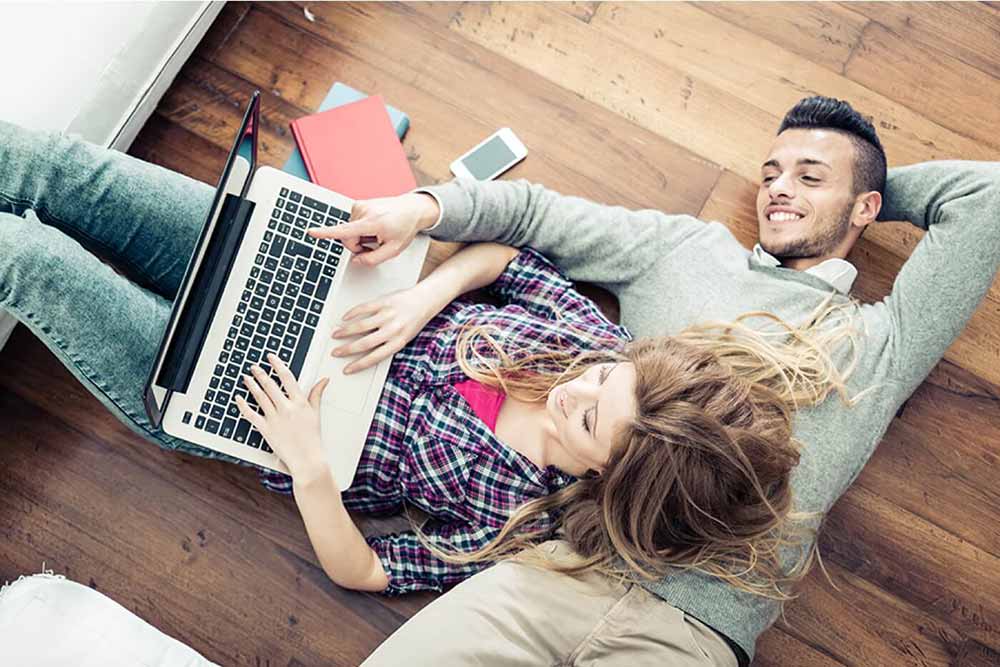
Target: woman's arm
x=341, y=548
x=289, y=421
x=390, y=322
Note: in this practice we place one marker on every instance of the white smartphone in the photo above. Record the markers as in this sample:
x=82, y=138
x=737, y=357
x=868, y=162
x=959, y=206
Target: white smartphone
x=491, y=157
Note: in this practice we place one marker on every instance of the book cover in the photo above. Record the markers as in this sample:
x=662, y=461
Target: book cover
x=353, y=149
x=339, y=95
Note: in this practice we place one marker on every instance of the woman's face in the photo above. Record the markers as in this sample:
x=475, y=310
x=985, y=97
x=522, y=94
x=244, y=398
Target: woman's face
x=587, y=410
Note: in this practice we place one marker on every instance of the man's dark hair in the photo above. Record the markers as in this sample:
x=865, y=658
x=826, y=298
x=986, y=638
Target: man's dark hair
x=826, y=113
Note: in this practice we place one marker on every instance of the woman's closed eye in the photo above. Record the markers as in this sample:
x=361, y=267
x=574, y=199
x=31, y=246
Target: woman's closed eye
x=603, y=375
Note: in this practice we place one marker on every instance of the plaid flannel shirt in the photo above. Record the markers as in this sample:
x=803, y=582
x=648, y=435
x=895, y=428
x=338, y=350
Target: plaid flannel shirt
x=428, y=448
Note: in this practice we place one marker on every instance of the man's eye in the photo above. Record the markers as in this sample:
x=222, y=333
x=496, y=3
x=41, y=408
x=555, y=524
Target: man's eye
x=811, y=179
x=767, y=179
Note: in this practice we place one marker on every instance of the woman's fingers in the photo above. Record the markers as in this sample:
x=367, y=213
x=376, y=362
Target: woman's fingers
x=270, y=387
x=260, y=395
x=378, y=354
x=363, y=344
x=288, y=381
x=316, y=394
x=251, y=415
x=362, y=309
x=361, y=326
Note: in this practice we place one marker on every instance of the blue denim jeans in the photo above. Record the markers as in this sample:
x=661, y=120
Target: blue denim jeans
x=64, y=203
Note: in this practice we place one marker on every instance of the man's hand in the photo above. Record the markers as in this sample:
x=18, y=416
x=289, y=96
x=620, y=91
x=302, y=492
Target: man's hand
x=391, y=223
x=385, y=324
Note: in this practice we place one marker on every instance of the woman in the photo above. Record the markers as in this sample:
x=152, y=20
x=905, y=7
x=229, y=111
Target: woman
x=661, y=453
x=504, y=423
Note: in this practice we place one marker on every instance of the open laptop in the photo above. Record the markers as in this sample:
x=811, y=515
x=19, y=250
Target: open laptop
x=257, y=284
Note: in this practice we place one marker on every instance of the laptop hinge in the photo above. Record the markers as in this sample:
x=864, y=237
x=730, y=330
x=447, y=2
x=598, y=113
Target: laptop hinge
x=203, y=297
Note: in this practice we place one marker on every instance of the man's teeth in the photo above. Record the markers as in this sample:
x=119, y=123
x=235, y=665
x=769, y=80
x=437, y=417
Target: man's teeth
x=782, y=216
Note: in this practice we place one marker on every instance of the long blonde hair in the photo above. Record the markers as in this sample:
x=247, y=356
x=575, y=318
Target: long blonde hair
x=700, y=477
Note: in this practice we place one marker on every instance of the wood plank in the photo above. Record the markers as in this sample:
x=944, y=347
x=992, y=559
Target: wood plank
x=189, y=570
x=777, y=648
x=968, y=31
x=822, y=32
x=859, y=624
x=939, y=459
x=368, y=48
x=173, y=147
x=886, y=64
x=726, y=57
x=614, y=76
x=916, y=561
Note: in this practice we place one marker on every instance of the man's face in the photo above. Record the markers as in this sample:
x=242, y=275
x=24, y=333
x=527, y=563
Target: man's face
x=805, y=199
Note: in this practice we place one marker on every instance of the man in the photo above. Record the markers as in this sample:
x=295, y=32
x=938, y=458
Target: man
x=823, y=182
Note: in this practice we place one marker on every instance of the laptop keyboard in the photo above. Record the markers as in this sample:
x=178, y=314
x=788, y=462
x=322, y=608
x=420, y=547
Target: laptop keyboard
x=278, y=311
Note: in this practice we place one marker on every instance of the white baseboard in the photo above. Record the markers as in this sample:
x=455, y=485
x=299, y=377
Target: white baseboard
x=7, y=324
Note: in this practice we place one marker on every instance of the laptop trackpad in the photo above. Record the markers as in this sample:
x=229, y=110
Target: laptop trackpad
x=346, y=392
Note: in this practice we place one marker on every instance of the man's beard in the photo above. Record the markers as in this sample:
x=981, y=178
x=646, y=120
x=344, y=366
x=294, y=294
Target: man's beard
x=819, y=245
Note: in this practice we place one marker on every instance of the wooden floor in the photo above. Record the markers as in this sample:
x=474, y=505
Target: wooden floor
x=645, y=105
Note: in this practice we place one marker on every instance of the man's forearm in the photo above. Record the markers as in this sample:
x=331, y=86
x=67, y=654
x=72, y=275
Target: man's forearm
x=339, y=545
x=607, y=245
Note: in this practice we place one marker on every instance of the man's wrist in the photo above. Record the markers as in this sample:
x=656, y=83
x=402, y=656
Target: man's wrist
x=430, y=214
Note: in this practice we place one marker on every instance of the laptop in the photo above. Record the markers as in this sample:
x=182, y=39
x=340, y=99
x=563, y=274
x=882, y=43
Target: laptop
x=256, y=283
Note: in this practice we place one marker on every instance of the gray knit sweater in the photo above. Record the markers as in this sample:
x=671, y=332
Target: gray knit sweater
x=669, y=271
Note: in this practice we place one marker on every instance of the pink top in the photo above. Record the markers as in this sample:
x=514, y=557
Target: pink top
x=485, y=401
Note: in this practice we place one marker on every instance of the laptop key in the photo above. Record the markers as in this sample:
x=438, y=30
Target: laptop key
x=323, y=287
x=212, y=426
x=206, y=408
x=218, y=412
x=199, y=421
x=318, y=205
x=277, y=247
x=301, y=350
x=293, y=195
x=242, y=430
x=314, y=269
x=255, y=439
x=227, y=428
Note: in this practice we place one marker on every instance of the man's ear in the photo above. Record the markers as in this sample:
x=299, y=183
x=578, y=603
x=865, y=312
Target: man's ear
x=866, y=208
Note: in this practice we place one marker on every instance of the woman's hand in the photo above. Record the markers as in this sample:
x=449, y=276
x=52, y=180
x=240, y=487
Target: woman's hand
x=385, y=325
x=290, y=421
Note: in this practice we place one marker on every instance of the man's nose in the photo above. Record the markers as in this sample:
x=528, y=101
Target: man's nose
x=782, y=186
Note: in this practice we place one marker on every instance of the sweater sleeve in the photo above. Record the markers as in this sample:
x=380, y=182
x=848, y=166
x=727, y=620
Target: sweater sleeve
x=610, y=246
x=951, y=269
